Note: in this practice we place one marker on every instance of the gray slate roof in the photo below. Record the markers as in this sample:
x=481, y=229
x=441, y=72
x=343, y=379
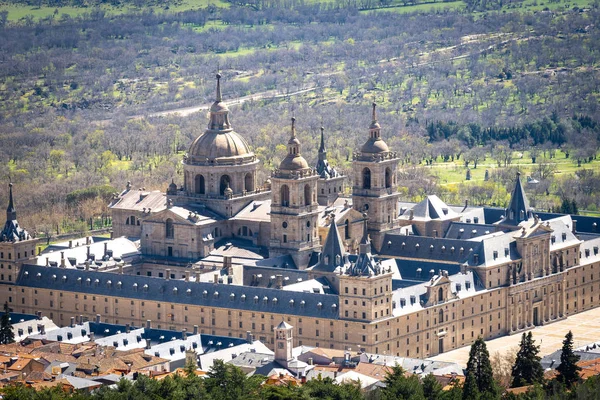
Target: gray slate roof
x=179, y=291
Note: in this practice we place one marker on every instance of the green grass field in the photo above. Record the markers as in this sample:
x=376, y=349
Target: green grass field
x=18, y=12
x=453, y=173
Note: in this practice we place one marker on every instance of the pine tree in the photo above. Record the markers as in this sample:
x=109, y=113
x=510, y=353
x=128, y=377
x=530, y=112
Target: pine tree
x=6, y=332
x=527, y=369
x=432, y=390
x=479, y=382
x=568, y=370
x=400, y=386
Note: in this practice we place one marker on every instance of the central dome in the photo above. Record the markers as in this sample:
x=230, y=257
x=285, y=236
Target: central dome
x=219, y=143
x=215, y=144
x=375, y=146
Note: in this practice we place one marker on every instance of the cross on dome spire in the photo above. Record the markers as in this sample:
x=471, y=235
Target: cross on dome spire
x=294, y=143
x=219, y=97
x=219, y=113
x=375, y=128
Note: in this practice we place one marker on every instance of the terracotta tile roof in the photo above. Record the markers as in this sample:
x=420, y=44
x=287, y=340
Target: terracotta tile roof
x=20, y=364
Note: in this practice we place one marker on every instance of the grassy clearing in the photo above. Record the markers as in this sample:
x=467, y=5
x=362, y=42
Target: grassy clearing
x=427, y=7
x=452, y=173
x=18, y=12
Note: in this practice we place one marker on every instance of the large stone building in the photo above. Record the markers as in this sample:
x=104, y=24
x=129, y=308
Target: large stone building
x=368, y=272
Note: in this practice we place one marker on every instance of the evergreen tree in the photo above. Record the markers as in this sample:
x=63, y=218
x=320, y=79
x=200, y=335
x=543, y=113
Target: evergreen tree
x=432, y=390
x=527, y=369
x=568, y=370
x=6, y=332
x=479, y=381
x=398, y=386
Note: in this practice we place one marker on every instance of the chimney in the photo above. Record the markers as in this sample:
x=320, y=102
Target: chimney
x=216, y=278
x=187, y=276
x=42, y=329
x=70, y=244
x=148, y=344
x=228, y=264
x=249, y=337
x=148, y=324
x=278, y=281
x=105, y=249
x=87, y=241
x=574, y=225
x=39, y=314
x=72, y=322
x=184, y=334
x=127, y=328
x=88, y=248
x=97, y=318
x=47, y=261
x=81, y=320
x=62, y=259
x=310, y=361
x=92, y=337
x=197, y=277
x=87, y=265
x=168, y=273
x=195, y=329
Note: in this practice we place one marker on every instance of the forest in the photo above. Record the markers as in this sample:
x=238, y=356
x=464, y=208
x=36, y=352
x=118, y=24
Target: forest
x=87, y=100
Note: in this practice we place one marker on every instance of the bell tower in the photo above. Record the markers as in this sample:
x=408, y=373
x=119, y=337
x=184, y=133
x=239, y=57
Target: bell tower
x=16, y=245
x=294, y=207
x=375, y=189
x=283, y=343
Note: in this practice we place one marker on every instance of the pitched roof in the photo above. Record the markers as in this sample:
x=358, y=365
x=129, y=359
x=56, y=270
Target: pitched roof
x=518, y=208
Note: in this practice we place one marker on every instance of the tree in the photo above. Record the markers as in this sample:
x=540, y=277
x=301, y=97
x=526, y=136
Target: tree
x=327, y=389
x=400, y=386
x=432, y=390
x=227, y=382
x=6, y=330
x=568, y=370
x=479, y=381
x=527, y=369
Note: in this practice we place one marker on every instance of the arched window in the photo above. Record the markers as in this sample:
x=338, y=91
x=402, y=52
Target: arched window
x=249, y=182
x=388, y=178
x=285, y=196
x=307, y=195
x=199, y=184
x=346, y=229
x=169, y=229
x=225, y=183
x=441, y=294
x=366, y=178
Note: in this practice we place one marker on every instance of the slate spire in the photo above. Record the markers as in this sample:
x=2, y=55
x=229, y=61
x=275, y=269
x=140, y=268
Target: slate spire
x=11, y=212
x=518, y=209
x=333, y=254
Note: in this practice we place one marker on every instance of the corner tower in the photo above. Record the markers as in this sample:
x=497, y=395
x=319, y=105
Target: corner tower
x=331, y=183
x=375, y=190
x=219, y=168
x=16, y=245
x=294, y=208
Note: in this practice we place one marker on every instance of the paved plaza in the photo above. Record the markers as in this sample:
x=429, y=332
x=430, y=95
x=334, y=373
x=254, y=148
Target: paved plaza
x=585, y=327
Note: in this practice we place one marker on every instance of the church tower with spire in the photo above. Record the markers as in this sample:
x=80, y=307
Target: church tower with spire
x=294, y=207
x=331, y=183
x=16, y=245
x=220, y=169
x=375, y=189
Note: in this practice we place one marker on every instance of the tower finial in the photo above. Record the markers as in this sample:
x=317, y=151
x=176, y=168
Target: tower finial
x=322, y=147
x=219, y=97
x=293, y=127
x=374, y=112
